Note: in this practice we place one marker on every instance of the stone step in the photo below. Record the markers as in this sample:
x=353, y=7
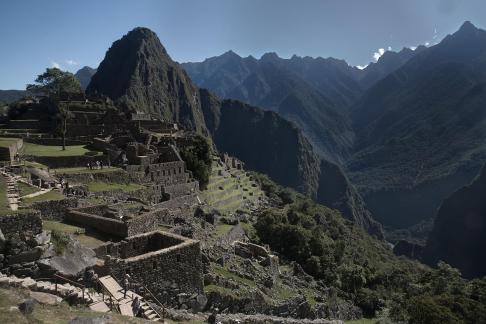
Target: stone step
x=153, y=316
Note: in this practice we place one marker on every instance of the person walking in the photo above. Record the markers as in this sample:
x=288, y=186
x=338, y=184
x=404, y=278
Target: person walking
x=136, y=307
x=125, y=285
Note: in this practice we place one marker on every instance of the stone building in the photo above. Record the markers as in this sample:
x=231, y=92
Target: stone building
x=161, y=167
x=167, y=264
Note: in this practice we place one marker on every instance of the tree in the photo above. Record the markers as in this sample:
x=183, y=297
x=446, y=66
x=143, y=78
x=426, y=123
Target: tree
x=53, y=83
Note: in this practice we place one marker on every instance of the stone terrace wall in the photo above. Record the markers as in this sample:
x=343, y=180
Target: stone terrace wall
x=28, y=221
x=119, y=176
x=55, y=209
x=181, y=189
x=139, y=244
x=69, y=161
x=166, y=272
x=91, y=217
x=102, y=224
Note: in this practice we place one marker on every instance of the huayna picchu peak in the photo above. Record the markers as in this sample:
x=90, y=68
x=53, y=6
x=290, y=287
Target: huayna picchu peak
x=327, y=168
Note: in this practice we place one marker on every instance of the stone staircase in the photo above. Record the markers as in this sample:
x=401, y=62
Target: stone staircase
x=12, y=191
x=105, y=303
x=92, y=299
x=124, y=301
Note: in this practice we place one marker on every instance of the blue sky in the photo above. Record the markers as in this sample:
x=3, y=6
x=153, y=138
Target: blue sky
x=36, y=34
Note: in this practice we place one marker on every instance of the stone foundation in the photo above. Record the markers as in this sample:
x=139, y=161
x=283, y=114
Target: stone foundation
x=167, y=264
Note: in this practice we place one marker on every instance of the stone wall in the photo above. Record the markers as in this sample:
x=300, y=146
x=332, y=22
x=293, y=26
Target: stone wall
x=102, y=224
x=92, y=217
x=143, y=223
x=55, y=209
x=163, y=173
x=181, y=189
x=166, y=272
x=69, y=161
x=25, y=221
x=118, y=176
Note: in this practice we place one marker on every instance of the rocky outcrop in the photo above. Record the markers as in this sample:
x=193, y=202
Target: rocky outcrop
x=459, y=233
x=84, y=76
x=138, y=74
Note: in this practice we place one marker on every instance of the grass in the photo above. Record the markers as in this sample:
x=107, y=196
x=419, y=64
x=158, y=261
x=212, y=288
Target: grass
x=62, y=313
x=84, y=170
x=51, y=195
x=48, y=150
x=223, y=229
x=26, y=189
x=87, y=238
x=221, y=290
x=362, y=321
x=98, y=186
x=7, y=141
x=228, y=274
x=4, y=205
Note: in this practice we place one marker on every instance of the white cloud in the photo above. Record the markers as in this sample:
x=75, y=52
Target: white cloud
x=56, y=65
x=389, y=48
x=361, y=67
x=427, y=43
x=71, y=62
x=413, y=48
x=378, y=54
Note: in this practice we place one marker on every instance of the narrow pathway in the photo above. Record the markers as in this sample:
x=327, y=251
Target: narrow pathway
x=11, y=191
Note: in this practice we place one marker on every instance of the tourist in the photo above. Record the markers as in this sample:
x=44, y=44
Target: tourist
x=88, y=165
x=136, y=307
x=101, y=165
x=97, y=164
x=125, y=285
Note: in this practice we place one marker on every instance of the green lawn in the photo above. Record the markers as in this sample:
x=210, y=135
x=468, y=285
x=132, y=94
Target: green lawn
x=223, y=229
x=84, y=170
x=6, y=141
x=87, y=238
x=26, y=189
x=51, y=195
x=48, y=150
x=97, y=186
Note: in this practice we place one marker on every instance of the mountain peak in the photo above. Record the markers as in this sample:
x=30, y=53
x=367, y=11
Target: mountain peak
x=139, y=75
x=269, y=56
x=468, y=26
x=231, y=54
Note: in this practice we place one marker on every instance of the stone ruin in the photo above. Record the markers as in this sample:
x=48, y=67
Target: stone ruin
x=165, y=263
x=162, y=168
x=232, y=162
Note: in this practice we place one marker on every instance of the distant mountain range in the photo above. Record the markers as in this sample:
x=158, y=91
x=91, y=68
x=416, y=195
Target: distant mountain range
x=8, y=96
x=408, y=129
x=421, y=130
x=314, y=93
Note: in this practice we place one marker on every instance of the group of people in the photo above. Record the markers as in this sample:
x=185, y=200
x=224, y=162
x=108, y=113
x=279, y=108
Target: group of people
x=95, y=165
